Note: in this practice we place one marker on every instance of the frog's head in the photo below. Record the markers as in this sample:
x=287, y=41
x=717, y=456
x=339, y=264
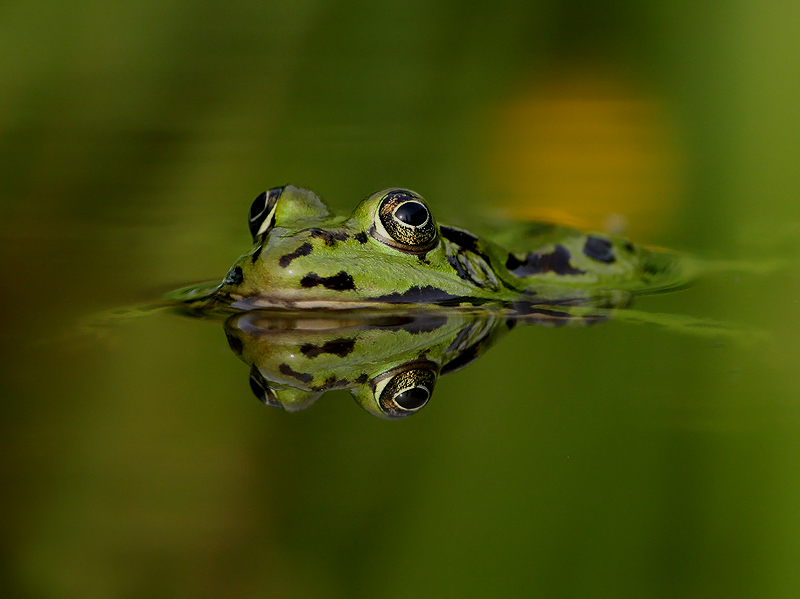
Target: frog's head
x=399, y=392
x=399, y=218
x=388, y=250
x=396, y=393
x=390, y=364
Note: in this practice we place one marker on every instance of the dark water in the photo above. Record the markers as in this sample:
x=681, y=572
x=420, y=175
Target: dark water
x=624, y=460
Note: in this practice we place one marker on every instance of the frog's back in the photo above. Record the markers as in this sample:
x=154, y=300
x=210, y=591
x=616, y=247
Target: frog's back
x=542, y=254
x=391, y=250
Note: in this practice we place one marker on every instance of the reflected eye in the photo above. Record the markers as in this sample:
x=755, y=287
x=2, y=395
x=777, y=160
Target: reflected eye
x=404, y=222
x=404, y=393
x=262, y=212
x=412, y=398
x=262, y=390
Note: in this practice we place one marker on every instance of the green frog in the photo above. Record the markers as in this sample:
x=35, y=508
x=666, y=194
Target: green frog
x=392, y=251
x=386, y=300
x=390, y=360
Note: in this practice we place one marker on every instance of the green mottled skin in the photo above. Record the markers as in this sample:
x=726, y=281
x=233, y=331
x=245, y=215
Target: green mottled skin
x=295, y=357
x=350, y=302
x=300, y=359
x=309, y=258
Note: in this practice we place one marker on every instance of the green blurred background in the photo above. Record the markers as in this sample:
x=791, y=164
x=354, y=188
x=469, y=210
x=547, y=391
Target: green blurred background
x=616, y=461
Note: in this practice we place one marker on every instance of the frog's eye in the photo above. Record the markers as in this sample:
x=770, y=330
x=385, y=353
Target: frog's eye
x=404, y=392
x=262, y=212
x=262, y=390
x=404, y=222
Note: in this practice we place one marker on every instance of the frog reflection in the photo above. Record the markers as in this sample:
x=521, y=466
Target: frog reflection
x=390, y=362
x=406, y=299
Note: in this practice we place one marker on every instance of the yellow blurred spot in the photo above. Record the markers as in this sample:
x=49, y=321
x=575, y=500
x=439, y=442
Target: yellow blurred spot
x=589, y=150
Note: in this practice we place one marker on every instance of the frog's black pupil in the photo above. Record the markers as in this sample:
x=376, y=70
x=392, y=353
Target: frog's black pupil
x=258, y=206
x=412, y=213
x=412, y=399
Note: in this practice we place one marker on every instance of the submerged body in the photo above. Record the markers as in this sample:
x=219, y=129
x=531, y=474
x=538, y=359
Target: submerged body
x=390, y=250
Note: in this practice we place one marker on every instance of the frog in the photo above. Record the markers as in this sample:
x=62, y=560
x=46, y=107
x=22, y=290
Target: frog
x=389, y=360
x=391, y=251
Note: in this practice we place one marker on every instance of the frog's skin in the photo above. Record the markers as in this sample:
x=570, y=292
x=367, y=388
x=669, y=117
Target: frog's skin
x=390, y=250
x=350, y=302
x=389, y=360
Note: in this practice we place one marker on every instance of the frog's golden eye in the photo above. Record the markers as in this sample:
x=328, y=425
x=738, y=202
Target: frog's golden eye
x=404, y=222
x=403, y=392
x=262, y=212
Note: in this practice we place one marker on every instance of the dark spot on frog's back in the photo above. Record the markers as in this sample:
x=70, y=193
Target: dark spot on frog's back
x=536, y=263
x=458, y=267
x=600, y=249
x=329, y=237
x=303, y=377
x=462, y=238
x=651, y=269
x=331, y=383
x=303, y=250
x=341, y=281
x=337, y=347
x=257, y=253
x=361, y=237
